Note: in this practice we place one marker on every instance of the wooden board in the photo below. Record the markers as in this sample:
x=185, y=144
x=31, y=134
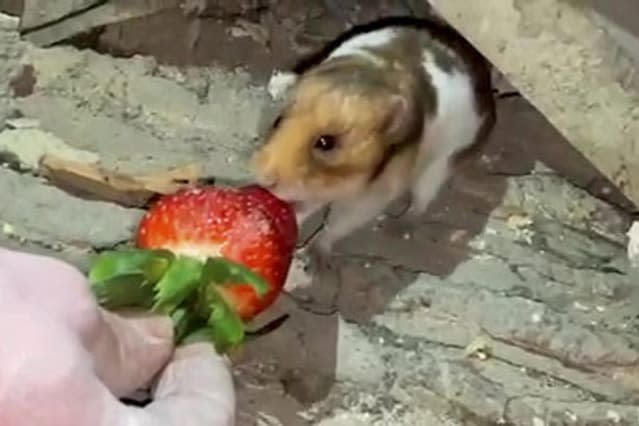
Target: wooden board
x=564, y=60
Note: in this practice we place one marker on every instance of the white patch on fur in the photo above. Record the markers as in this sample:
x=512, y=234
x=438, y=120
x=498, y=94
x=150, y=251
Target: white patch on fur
x=453, y=128
x=428, y=184
x=456, y=122
x=358, y=44
x=279, y=84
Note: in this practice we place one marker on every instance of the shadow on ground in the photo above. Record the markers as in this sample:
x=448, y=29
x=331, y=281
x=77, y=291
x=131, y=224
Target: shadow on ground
x=376, y=263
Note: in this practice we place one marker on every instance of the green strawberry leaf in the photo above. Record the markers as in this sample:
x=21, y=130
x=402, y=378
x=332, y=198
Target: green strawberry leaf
x=112, y=264
x=224, y=328
x=182, y=287
x=228, y=328
x=178, y=283
x=125, y=278
x=222, y=271
x=185, y=322
x=124, y=291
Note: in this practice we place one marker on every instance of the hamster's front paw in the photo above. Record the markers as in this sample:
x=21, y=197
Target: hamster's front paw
x=322, y=246
x=317, y=253
x=416, y=211
x=300, y=273
x=318, y=293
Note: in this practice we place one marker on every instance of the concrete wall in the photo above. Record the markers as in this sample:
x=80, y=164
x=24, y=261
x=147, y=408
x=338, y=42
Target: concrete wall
x=10, y=54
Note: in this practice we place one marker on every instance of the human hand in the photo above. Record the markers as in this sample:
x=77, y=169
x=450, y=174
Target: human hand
x=64, y=361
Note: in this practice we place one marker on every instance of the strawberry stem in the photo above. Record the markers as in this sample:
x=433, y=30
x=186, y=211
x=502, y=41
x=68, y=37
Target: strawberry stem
x=181, y=278
x=182, y=287
x=225, y=272
x=226, y=326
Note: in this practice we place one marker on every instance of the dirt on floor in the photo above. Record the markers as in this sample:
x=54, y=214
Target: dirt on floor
x=511, y=302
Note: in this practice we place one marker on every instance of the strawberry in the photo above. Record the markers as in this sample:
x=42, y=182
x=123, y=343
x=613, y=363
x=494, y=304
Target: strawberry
x=249, y=226
x=280, y=211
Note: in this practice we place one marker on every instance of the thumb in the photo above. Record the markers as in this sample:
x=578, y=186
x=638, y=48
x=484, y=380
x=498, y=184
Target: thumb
x=196, y=388
x=128, y=352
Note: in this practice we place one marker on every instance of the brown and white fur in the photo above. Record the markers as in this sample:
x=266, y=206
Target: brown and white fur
x=386, y=111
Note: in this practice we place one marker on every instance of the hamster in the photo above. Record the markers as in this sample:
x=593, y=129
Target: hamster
x=383, y=111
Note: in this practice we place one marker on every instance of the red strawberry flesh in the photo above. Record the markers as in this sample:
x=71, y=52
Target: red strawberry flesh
x=247, y=225
x=280, y=212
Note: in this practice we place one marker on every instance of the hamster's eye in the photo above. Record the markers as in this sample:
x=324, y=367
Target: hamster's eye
x=325, y=143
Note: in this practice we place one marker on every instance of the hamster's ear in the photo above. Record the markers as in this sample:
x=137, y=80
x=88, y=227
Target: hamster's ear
x=404, y=120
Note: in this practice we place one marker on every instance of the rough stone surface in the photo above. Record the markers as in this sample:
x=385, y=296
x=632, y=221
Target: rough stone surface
x=28, y=146
x=39, y=212
x=10, y=53
x=512, y=301
x=633, y=244
x=540, y=310
x=38, y=12
x=140, y=117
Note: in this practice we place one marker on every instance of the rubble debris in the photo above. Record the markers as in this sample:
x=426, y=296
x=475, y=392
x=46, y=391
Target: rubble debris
x=22, y=123
x=24, y=82
x=29, y=144
x=11, y=51
x=478, y=348
x=89, y=180
x=46, y=216
x=258, y=33
x=633, y=244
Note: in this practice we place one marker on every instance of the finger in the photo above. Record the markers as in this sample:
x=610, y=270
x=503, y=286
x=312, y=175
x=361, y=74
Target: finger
x=53, y=286
x=129, y=352
x=196, y=388
x=46, y=376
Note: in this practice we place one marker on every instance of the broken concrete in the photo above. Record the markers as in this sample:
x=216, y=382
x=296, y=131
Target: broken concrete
x=10, y=54
x=40, y=12
x=547, y=305
x=56, y=218
x=29, y=145
x=511, y=302
x=633, y=244
x=119, y=109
